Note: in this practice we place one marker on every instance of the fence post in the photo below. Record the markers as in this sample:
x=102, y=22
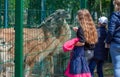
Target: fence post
x=6, y=14
x=43, y=11
x=83, y=4
x=19, y=71
x=0, y=13
x=111, y=7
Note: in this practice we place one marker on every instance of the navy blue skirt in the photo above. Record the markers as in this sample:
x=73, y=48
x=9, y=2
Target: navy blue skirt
x=78, y=66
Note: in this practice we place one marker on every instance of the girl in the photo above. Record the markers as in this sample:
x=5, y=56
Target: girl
x=78, y=66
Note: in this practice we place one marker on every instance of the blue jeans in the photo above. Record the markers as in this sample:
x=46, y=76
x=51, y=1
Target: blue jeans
x=99, y=63
x=115, y=55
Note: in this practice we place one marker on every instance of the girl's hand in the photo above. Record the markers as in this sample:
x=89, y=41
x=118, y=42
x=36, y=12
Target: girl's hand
x=79, y=44
x=75, y=29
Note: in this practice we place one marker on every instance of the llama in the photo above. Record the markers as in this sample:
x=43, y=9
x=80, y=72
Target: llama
x=38, y=42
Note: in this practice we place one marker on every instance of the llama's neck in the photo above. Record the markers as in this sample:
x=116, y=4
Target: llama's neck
x=67, y=27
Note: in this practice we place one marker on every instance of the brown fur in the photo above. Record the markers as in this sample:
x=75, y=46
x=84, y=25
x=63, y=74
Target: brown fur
x=39, y=42
x=35, y=48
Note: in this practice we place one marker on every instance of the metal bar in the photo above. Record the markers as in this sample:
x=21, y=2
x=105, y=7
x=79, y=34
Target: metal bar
x=0, y=14
x=86, y=3
x=6, y=13
x=83, y=4
x=111, y=7
x=19, y=39
x=43, y=12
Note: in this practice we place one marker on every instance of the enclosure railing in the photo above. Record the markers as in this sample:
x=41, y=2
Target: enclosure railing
x=19, y=39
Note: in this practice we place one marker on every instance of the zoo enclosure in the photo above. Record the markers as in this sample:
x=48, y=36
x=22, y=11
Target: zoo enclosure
x=33, y=21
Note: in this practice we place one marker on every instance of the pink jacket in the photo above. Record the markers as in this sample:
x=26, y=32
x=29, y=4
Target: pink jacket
x=69, y=45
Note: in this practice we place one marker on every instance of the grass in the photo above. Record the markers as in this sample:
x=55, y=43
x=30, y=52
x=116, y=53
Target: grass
x=107, y=69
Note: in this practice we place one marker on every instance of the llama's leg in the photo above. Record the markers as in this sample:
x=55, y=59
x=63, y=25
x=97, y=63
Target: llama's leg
x=10, y=70
x=7, y=71
x=27, y=71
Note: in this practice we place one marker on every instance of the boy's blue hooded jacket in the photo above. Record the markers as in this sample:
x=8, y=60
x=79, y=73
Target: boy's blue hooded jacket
x=114, y=28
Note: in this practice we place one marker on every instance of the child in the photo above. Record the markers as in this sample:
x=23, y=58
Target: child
x=78, y=66
x=100, y=52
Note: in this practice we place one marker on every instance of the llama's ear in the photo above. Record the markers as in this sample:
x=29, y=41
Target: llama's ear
x=42, y=24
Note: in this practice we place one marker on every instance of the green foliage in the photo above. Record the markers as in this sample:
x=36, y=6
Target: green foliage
x=101, y=7
x=33, y=8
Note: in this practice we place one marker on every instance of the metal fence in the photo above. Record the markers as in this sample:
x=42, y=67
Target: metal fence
x=25, y=50
x=51, y=65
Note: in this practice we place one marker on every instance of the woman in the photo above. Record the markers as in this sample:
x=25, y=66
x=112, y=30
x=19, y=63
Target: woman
x=113, y=38
x=78, y=66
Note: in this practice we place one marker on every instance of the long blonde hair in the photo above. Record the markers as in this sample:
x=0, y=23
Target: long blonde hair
x=116, y=5
x=88, y=26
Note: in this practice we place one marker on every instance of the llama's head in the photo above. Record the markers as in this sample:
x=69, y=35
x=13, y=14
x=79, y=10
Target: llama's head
x=55, y=21
x=61, y=13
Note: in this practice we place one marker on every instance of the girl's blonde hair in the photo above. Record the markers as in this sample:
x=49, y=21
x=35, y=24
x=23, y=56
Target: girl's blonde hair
x=116, y=5
x=88, y=26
